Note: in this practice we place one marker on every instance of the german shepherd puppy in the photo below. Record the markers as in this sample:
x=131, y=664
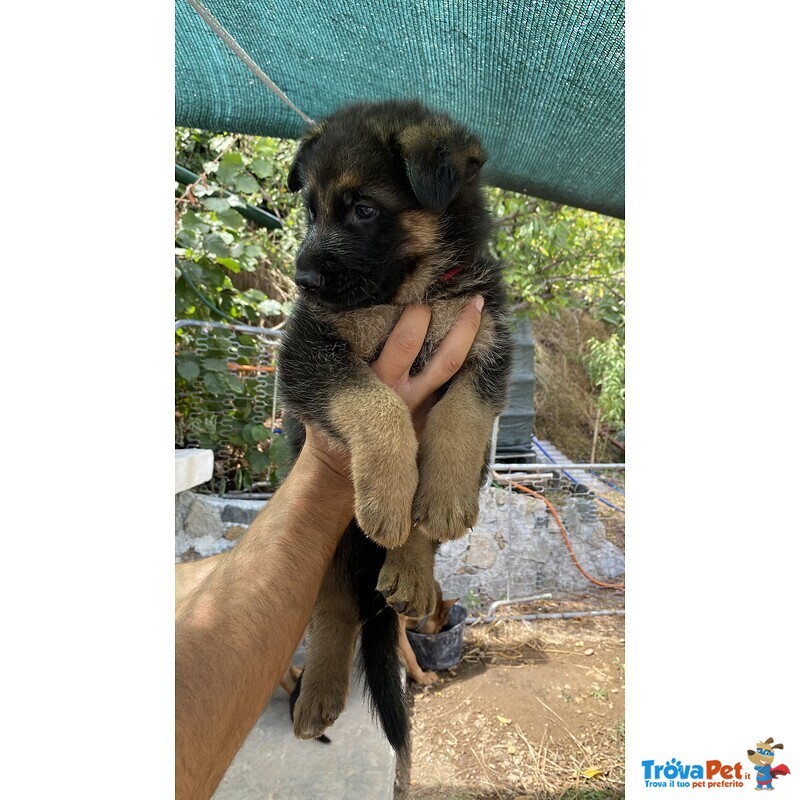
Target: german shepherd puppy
x=428, y=625
x=396, y=217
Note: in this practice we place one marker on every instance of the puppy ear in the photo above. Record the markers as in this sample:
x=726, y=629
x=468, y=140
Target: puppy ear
x=446, y=604
x=310, y=137
x=441, y=157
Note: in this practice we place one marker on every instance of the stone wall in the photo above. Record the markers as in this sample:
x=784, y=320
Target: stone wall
x=206, y=524
x=515, y=549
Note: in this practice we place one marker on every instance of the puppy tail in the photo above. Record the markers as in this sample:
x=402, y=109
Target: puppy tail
x=380, y=666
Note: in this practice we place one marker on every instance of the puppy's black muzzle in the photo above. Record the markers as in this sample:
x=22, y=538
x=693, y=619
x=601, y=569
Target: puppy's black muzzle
x=309, y=281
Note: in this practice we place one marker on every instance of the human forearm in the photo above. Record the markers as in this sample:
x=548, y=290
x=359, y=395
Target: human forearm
x=191, y=574
x=235, y=634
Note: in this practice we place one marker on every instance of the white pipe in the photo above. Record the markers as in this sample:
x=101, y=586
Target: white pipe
x=536, y=467
x=554, y=615
x=494, y=606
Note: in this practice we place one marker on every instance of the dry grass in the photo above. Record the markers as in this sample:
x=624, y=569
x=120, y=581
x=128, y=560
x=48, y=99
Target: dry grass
x=564, y=399
x=533, y=711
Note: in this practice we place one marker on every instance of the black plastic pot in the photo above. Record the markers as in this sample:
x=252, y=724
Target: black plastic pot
x=441, y=650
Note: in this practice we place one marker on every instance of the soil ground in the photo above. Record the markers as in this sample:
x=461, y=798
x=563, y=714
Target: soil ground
x=534, y=711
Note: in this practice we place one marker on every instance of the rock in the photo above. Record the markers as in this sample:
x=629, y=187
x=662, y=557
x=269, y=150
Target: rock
x=233, y=532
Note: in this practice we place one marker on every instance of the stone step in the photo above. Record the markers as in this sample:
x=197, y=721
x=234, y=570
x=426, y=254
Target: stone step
x=192, y=468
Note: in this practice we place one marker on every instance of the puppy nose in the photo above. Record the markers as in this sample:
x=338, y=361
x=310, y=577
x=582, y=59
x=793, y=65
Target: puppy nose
x=310, y=281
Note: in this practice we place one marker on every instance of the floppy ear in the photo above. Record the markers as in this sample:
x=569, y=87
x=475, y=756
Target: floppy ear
x=440, y=157
x=295, y=181
x=447, y=604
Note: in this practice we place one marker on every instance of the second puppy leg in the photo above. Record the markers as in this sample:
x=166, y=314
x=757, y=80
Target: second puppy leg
x=330, y=639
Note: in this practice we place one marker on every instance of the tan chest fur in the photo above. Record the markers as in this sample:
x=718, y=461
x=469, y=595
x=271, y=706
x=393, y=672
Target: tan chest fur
x=366, y=329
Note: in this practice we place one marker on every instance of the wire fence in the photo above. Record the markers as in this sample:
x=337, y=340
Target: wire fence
x=226, y=401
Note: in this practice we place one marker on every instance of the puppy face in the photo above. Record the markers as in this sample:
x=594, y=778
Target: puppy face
x=382, y=183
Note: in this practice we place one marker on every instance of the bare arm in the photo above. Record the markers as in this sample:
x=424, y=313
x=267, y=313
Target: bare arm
x=237, y=630
x=240, y=615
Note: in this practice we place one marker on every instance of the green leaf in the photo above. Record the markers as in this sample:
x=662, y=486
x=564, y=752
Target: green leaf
x=214, y=365
x=191, y=222
x=261, y=168
x=270, y=308
x=234, y=384
x=231, y=219
x=246, y=183
x=216, y=243
x=258, y=432
x=188, y=368
x=188, y=238
x=216, y=204
x=259, y=461
x=254, y=296
x=230, y=165
x=230, y=263
x=215, y=383
x=280, y=455
x=199, y=190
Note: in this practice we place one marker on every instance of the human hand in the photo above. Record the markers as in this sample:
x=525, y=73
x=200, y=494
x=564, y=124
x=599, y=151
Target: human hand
x=394, y=363
x=403, y=345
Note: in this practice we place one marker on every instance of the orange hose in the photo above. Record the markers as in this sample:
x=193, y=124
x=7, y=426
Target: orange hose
x=249, y=368
x=566, y=538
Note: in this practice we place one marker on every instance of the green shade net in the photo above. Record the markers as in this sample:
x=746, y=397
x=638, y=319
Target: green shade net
x=542, y=82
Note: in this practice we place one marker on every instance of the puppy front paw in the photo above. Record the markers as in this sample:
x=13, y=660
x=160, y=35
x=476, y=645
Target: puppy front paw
x=383, y=502
x=445, y=511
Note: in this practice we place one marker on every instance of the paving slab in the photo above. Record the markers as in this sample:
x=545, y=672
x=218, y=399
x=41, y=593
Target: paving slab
x=273, y=765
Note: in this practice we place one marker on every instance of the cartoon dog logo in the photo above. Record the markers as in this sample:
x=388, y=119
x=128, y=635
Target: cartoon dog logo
x=762, y=757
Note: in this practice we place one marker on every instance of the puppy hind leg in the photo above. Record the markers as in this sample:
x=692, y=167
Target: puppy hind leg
x=295, y=693
x=330, y=641
x=406, y=578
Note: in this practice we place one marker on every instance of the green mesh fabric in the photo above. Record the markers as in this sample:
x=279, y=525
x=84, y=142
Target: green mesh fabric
x=541, y=82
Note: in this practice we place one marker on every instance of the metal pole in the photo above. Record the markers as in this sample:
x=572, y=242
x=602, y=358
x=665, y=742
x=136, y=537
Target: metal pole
x=554, y=615
x=541, y=467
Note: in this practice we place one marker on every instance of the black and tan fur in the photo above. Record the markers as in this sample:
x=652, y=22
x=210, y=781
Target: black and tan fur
x=396, y=217
x=428, y=625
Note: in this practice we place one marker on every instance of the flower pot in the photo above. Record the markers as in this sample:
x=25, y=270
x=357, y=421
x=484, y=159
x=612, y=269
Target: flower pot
x=441, y=650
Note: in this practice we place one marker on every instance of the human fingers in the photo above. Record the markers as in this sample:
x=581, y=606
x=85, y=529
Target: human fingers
x=403, y=345
x=451, y=353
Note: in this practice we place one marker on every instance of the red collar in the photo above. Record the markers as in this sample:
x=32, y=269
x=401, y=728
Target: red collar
x=453, y=272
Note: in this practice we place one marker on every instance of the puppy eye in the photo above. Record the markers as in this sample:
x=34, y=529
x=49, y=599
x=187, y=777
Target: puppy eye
x=364, y=212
